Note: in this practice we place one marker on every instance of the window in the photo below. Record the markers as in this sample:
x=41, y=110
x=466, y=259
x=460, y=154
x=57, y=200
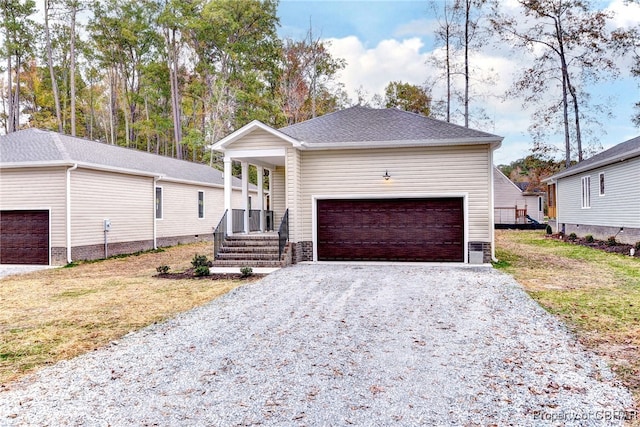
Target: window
x=586, y=192
x=158, y=202
x=200, y=204
x=601, y=176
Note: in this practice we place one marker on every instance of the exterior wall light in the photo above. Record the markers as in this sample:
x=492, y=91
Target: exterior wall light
x=386, y=175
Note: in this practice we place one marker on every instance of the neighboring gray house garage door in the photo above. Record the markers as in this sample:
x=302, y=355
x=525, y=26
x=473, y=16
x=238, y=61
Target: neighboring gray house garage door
x=391, y=230
x=24, y=237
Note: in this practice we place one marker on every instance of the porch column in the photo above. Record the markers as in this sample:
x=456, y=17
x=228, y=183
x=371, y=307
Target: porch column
x=228, y=181
x=245, y=194
x=260, y=204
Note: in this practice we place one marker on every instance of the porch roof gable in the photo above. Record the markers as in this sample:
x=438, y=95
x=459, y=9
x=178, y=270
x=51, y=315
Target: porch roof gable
x=228, y=140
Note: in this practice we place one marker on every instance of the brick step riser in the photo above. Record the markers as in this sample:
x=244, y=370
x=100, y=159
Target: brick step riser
x=247, y=257
x=248, y=250
x=252, y=238
x=240, y=264
x=250, y=245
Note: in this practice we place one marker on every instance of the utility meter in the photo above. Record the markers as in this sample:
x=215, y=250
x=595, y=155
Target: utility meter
x=107, y=224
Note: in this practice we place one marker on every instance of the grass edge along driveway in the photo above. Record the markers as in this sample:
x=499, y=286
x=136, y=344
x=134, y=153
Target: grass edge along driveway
x=597, y=294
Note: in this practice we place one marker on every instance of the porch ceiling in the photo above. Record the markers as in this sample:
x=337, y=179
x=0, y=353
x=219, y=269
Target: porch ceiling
x=264, y=161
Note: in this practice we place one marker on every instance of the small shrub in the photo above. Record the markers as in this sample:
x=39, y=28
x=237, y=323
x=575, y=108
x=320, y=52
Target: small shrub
x=200, y=261
x=201, y=270
x=246, y=272
x=611, y=241
x=589, y=238
x=637, y=246
x=572, y=237
x=548, y=230
x=163, y=269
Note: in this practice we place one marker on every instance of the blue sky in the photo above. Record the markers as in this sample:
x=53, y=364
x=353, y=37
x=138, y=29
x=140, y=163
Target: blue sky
x=383, y=41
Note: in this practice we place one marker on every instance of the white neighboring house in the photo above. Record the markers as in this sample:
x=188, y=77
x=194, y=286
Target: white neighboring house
x=512, y=205
x=601, y=195
x=64, y=198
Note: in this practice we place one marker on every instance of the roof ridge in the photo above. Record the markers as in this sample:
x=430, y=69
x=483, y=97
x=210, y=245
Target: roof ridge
x=59, y=145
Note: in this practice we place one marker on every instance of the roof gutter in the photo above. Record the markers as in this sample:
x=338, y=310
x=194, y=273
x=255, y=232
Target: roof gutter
x=494, y=142
x=68, y=220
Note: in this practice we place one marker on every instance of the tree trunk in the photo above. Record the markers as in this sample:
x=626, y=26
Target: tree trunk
x=72, y=68
x=466, y=62
x=10, y=116
x=54, y=83
x=565, y=89
x=170, y=37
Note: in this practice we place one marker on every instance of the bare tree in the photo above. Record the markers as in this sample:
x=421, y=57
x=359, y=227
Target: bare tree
x=48, y=5
x=568, y=40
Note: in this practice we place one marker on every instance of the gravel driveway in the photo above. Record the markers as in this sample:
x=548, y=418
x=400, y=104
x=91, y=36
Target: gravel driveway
x=337, y=345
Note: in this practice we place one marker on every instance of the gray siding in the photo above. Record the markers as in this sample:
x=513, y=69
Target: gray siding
x=620, y=205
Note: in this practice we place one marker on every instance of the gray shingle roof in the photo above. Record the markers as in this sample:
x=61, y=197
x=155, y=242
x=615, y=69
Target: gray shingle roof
x=34, y=146
x=617, y=153
x=363, y=124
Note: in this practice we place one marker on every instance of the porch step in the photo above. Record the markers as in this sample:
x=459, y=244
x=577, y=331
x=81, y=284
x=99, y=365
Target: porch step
x=254, y=263
x=253, y=250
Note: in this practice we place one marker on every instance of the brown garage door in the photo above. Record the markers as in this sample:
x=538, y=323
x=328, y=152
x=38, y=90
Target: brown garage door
x=24, y=237
x=391, y=230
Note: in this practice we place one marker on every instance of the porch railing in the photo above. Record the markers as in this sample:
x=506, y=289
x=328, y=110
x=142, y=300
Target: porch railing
x=238, y=220
x=254, y=220
x=283, y=233
x=219, y=234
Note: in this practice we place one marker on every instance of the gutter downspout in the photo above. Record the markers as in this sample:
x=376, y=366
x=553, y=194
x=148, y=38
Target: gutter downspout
x=72, y=168
x=153, y=211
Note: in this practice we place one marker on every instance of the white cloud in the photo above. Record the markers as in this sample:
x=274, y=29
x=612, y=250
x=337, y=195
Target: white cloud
x=373, y=68
x=625, y=14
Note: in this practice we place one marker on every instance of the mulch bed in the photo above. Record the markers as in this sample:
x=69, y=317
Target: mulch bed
x=188, y=274
x=618, y=248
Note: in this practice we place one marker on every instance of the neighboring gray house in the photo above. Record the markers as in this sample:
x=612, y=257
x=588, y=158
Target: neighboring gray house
x=374, y=184
x=512, y=205
x=62, y=198
x=601, y=195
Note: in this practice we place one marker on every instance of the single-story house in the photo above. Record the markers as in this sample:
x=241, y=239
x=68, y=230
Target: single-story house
x=374, y=184
x=600, y=196
x=64, y=198
x=512, y=205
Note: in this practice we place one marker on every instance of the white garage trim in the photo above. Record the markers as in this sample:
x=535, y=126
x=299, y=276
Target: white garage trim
x=314, y=213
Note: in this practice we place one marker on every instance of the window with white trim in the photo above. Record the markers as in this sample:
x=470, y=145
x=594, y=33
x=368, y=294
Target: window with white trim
x=158, y=202
x=200, y=204
x=601, y=179
x=586, y=192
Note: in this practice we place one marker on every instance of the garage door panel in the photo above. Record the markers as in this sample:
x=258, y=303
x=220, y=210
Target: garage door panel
x=24, y=237
x=391, y=229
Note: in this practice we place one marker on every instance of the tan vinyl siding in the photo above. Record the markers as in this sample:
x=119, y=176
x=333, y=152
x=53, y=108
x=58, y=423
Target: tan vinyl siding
x=618, y=207
x=259, y=139
x=180, y=209
x=126, y=200
x=37, y=188
x=414, y=171
x=278, y=195
x=295, y=196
